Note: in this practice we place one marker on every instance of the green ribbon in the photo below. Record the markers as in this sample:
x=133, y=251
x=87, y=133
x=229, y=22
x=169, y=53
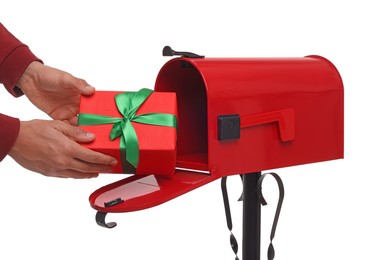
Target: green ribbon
x=128, y=104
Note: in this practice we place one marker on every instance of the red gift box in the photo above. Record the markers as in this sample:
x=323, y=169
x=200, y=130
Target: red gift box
x=157, y=144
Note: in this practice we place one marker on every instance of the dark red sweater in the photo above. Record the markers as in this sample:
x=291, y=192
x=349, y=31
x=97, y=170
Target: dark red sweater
x=14, y=59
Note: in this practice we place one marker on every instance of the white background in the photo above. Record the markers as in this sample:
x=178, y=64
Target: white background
x=332, y=210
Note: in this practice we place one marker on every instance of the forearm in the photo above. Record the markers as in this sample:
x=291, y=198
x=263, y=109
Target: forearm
x=9, y=130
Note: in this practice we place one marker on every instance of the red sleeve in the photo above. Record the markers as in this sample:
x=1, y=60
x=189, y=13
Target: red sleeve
x=14, y=59
x=9, y=130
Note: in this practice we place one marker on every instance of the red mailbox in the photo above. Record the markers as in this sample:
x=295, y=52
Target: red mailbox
x=238, y=116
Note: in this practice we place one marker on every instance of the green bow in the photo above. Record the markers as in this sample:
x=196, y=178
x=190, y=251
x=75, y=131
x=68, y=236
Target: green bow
x=128, y=104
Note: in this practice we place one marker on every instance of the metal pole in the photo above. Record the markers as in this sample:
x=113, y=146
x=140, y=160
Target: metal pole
x=251, y=248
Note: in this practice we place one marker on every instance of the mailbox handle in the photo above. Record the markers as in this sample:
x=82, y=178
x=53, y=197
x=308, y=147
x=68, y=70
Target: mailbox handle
x=168, y=51
x=284, y=118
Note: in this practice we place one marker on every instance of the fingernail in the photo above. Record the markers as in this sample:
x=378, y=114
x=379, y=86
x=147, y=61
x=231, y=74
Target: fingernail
x=87, y=87
x=114, y=162
x=90, y=135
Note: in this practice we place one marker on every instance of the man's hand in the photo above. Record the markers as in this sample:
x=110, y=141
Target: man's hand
x=55, y=92
x=51, y=148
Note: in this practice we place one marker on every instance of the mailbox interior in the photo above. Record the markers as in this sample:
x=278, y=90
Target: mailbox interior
x=184, y=79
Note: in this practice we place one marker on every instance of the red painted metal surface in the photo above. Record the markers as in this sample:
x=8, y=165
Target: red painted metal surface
x=209, y=87
x=291, y=112
x=284, y=118
x=141, y=192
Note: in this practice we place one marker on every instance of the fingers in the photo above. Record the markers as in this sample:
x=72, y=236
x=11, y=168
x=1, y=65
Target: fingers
x=81, y=86
x=77, y=134
x=95, y=161
x=87, y=90
x=90, y=168
x=80, y=169
x=89, y=156
x=46, y=147
x=87, y=163
x=73, y=121
x=73, y=167
x=75, y=174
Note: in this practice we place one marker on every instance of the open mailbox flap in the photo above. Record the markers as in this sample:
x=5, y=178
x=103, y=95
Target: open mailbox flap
x=144, y=191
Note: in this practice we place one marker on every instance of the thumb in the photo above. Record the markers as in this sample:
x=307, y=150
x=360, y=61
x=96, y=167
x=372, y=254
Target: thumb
x=81, y=86
x=77, y=134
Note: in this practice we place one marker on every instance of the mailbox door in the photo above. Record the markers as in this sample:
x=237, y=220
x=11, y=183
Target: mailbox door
x=145, y=191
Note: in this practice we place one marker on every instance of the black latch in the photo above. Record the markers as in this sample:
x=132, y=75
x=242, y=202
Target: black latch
x=228, y=127
x=168, y=51
x=113, y=202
